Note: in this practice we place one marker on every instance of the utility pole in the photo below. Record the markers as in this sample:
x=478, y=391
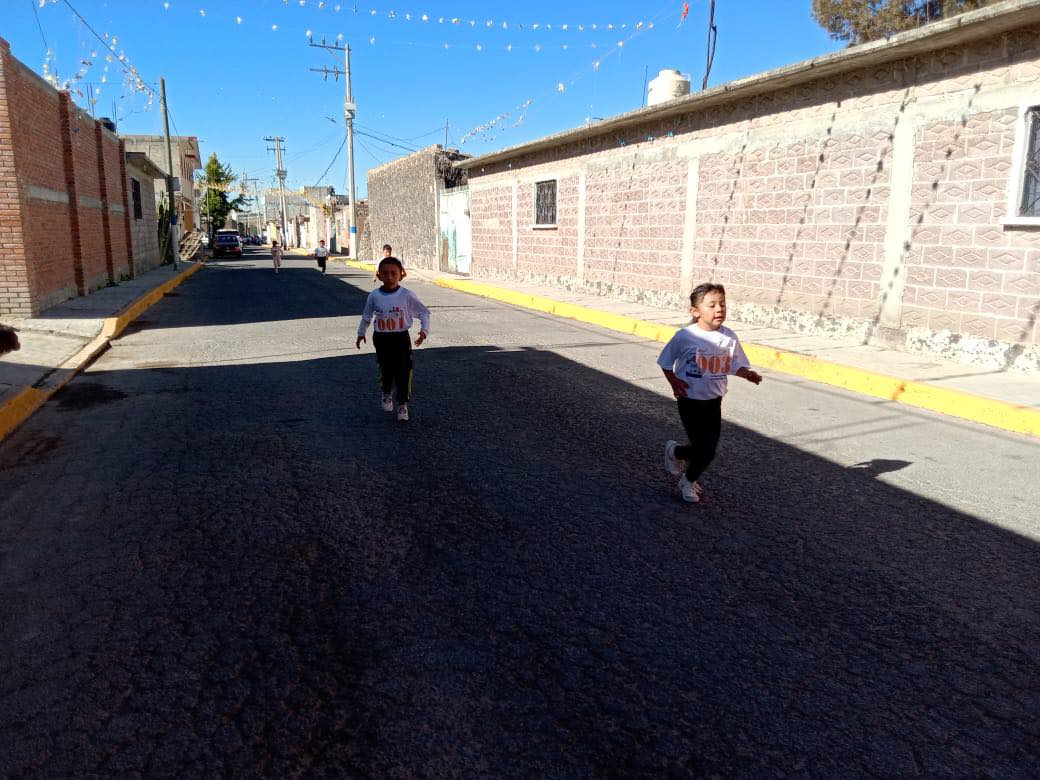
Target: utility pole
x=280, y=172
x=445, y=133
x=349, y=111
x=175, y=238
x=256, y=198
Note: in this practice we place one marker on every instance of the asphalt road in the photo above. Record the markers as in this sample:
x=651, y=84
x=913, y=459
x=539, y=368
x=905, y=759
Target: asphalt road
x=219, y=556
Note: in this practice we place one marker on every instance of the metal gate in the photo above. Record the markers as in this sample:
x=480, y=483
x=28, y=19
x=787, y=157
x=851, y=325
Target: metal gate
x=455, y=230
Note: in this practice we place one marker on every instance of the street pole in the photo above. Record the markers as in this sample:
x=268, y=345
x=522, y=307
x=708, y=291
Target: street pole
x=349, y=109
x=246, y=179
x=174, y=227
x=280, y=172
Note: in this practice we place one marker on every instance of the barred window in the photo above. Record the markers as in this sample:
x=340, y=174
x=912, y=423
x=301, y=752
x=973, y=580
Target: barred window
x=545, y=203
x=1030, y=203
x=135, y=187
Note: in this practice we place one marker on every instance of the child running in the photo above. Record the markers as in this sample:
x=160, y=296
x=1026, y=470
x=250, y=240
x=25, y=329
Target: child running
x=393, y=308
x=696, y=363
x=276, y=255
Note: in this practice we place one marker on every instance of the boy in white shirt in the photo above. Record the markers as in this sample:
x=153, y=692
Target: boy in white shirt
x=322, y=254
x=696, y=363
x=393, y=308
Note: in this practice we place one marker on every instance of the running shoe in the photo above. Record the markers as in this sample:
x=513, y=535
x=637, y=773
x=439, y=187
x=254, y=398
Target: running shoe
x=388, y=402
x=689, y=493
x=402, y=413
x=672, y=464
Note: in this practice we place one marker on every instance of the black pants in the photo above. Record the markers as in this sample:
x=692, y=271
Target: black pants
x=321, y=263
x=703, y=422
x=394, y=356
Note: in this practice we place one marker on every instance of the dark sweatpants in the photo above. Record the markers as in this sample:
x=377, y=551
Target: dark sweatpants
x=703, y=422
x=394, y=356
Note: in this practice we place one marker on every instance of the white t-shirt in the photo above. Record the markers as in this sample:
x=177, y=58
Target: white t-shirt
x=703, y=359
x=393, y=312
x=321, y=251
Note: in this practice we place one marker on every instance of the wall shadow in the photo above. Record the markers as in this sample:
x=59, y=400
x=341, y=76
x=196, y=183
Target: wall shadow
x=279, y=576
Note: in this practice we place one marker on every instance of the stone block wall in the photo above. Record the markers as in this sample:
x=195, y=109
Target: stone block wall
x=63, y=204
x=402, y=208
x=144, y=234
x=868, y=203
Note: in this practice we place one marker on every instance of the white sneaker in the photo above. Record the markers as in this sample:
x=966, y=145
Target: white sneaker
x=688, y=490
x=698, y=488
x=672, y=464
x=402, y=413
x=388, y=403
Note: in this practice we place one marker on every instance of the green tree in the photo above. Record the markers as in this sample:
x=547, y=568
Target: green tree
x=857, y=21
x=218, y=181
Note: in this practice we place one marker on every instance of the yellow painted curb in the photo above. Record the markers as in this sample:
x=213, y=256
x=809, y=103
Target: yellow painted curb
x=116, y=325
x=998, y=414
x=19, y=408
x=360, y=265
x=22, y=406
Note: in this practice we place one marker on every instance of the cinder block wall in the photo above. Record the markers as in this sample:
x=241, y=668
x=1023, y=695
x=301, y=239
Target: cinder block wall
x=868, y=203
x=402, y=208
x=63, y=212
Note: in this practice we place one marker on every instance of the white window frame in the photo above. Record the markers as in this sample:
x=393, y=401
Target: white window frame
x=534, y=217
x=1012, y=218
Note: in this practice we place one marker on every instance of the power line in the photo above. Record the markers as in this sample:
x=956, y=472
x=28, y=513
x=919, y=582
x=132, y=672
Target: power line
x=36, y=13
x=341, y=145
x=385, y=141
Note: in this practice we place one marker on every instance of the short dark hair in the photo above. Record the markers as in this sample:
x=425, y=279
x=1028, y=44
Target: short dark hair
x=387, y=248
x=389, y=260
x=703, y=289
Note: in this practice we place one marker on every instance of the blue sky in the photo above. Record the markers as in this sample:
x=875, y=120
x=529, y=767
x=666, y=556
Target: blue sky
x=232, y=82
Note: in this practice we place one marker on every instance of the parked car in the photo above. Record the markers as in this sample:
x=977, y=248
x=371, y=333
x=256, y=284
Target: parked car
x=226, y=242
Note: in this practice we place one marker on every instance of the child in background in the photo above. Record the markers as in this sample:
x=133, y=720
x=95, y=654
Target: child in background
x=696, y=363
x=276, y=255
x=321, y=254
x=393, y=308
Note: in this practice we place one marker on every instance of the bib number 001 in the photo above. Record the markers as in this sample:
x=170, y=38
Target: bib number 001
x=390, y=324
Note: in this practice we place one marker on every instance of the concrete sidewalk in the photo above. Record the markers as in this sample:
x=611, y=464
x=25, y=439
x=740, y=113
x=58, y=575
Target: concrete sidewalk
x=998, y=398
x=63, y=340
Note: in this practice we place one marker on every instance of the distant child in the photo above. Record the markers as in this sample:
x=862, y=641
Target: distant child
x=696, y=363
x=276, y=255
x=8, y=340
x=393, y=308
x=388, y=251
x=322, y=254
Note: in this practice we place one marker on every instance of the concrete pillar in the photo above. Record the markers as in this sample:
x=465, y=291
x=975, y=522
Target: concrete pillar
x=581, y=228
x=689, y=236
x=106, y=220
x=898, y=228
x=68, y=116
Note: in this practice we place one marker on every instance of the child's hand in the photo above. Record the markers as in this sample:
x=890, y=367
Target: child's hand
x=360, y=339
x=679, y=387
x=421, y=339
x=753, y=377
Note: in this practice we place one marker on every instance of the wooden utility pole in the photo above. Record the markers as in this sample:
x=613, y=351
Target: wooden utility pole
x=174, y=227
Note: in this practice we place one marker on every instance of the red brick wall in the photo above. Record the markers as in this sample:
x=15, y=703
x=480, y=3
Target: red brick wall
x=15, y=297
x=53, y=160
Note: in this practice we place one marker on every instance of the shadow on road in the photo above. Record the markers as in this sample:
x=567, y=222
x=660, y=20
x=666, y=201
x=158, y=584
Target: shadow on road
x=277, y=576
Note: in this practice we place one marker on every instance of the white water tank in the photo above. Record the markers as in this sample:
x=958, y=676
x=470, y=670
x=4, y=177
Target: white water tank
x=669, y=85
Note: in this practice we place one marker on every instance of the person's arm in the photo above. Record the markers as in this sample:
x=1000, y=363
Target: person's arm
x=419, y=309
x=741, y=366
x=666, y=361
x=679, y=387
x=366, y=319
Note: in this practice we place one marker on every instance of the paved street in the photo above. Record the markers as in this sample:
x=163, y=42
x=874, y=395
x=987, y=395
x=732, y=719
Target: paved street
x=218, y=556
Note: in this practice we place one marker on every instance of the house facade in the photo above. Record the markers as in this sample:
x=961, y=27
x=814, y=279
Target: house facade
x=186, y=160
x=889, y=191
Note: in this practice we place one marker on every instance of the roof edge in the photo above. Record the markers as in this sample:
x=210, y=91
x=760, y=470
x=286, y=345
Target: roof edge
x=972, y=25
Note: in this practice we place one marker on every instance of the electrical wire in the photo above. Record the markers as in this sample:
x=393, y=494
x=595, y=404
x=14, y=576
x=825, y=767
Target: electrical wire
x=385, y=141
x=341, y=145
x=36, y=13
